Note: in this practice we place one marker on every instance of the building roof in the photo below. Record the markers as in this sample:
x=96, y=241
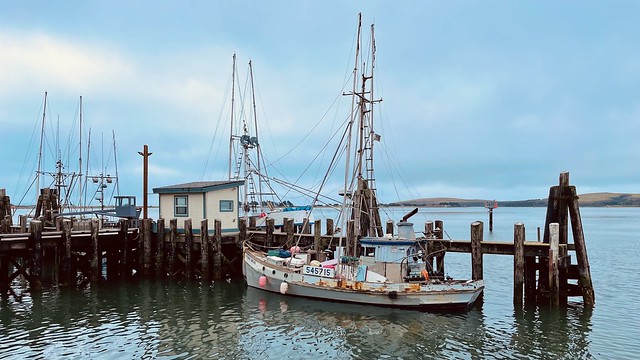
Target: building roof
x=198, y=187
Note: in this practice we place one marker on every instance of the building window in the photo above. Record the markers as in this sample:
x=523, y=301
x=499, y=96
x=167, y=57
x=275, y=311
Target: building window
x=226, y=205
x=180, y=206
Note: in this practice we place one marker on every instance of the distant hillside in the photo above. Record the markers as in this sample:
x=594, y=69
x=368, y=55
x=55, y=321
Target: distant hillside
x=593, y=199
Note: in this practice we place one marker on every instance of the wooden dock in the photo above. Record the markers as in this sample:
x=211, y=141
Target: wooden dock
x=543, y=271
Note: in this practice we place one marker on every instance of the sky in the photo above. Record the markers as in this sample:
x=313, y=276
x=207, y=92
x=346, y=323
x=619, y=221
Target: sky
x=480, y=100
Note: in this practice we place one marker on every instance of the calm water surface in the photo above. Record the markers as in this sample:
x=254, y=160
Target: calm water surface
x=187, y=320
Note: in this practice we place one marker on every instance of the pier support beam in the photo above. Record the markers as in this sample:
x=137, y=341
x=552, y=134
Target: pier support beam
x=146, y=236
x=36, y=258
x=476, y=250
x=160, y=252
x=518, y=264
x=95, y=262
x=217, y=258
x=173, y=241
x=204, y=249
x=188, y=240
x=439, y=233
x=554, y=279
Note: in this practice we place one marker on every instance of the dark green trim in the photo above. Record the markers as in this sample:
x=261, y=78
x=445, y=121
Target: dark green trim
x=197, y=189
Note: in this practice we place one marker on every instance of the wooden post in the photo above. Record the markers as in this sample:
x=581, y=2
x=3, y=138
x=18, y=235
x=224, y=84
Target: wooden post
x=428, y=233
x=36, y=243
x=242, y=231
x=188, y=239
x=439, y=232
x=350, y=239
x=146, y=229
x=204, y=249
x=490, y=219
x=95, y=263
x=563, y=211
x=252, y=222
x=554, y=241
x=269, y=241
x=518, y=264
x=389, y=229
x=173, y=240
x=68, y=277
x=160, y=270
x=306, y=227
x=125, y=270
x=584, y=272
x=217, y=259
x=317, y=239
x=330, y=229
x=289, y=226
x=476, y=250
x=23, y=223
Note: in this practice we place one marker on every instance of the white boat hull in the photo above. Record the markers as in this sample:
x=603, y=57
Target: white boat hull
x=424, y=295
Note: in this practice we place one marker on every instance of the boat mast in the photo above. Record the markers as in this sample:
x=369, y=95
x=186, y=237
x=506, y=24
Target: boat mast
x=80, y=160
x=346, y=195
x=256, y=143
x=115, y=160
x=233, y=94
x=44, y=112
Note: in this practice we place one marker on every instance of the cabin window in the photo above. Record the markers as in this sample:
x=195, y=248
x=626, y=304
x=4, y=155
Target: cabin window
x=370, y=251
x=226, y=205
x=180, y=206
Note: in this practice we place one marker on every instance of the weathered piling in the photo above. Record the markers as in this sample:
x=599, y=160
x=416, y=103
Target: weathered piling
x=476, y=250
x=554, y=286
x=95, y=264
x=36, y=261
x=188, y=240
x=204, y=249
x=68, y=276
x=330, y=228
x=217, y=259
x=584, y=272
x=439, y=234
x=317, y=238
x=428, y=233
x=269, y=241
x=125, y=254
x=146, y=236
x=518, y=264
x=289, y=230
x=173, y=241
x=160, y=246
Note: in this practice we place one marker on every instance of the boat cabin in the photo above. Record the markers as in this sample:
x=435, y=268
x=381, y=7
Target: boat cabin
x=200, y=200
x=395, y=257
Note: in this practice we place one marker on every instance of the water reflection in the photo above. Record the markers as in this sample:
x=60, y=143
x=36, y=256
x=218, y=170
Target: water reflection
x=157, y=319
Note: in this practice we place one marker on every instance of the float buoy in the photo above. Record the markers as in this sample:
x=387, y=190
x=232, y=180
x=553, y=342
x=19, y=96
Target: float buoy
x=284, y=287
x=262, y=281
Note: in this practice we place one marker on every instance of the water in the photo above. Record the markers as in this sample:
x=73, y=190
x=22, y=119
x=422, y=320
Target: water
x=179, y=320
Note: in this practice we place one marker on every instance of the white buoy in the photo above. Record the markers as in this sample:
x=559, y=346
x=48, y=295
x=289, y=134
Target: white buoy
x=284, y=287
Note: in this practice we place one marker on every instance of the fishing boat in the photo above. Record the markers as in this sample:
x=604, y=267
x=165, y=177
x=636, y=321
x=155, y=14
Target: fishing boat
x=368, y=266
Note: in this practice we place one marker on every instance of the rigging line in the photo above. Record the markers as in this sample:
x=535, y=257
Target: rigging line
x=315, y=157
x=324, y=181
x=215, y=132
x=314, y=126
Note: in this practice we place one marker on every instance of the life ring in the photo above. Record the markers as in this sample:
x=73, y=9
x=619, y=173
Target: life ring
x=425, y=274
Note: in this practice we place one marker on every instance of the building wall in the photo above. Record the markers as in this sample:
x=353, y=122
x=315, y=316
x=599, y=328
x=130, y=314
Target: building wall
x=200, y=206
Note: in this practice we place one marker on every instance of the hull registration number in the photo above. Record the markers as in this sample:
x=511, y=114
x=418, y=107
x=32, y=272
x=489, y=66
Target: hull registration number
x=318, y=271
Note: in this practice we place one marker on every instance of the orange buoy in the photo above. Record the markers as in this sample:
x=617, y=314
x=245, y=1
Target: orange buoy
x=425, y=274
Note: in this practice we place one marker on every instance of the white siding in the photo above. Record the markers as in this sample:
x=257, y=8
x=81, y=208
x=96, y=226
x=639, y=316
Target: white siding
x=197, y=211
